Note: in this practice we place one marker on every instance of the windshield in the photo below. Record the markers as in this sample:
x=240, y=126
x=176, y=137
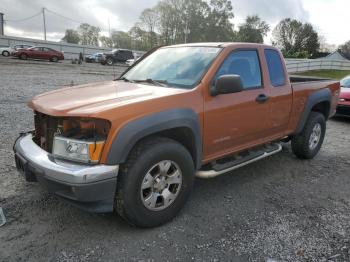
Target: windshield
x=345, y=82
x=174, y=66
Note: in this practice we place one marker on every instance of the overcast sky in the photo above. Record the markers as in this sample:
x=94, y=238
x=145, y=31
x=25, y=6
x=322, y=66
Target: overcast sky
x=330, y=17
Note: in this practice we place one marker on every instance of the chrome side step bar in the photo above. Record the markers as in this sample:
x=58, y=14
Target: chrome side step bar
x=213, y=173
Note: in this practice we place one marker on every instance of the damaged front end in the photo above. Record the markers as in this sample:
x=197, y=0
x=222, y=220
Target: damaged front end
x=74, y=139
x=63, y=155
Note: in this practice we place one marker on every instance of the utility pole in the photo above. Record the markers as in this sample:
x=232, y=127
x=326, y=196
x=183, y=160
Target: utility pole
x=109, y=28
x=1, y=24
x=44, y=23
x=187, y=30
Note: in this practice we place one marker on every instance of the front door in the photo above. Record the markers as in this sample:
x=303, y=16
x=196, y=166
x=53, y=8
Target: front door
x=233, y=122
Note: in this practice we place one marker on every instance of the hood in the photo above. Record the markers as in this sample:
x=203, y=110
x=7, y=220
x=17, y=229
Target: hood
x=345, y=93
x=91, y=99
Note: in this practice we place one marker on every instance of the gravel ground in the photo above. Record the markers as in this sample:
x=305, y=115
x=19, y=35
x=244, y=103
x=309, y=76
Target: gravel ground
x=277, y=209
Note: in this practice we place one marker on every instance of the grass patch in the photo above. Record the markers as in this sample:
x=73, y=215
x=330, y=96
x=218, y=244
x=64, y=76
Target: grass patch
x=333, y=74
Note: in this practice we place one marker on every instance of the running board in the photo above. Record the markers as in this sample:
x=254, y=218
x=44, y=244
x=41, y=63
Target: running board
x=239, y=160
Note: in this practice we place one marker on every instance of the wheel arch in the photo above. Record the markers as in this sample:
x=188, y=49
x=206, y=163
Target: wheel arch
x=181, y=125
x=319, y=101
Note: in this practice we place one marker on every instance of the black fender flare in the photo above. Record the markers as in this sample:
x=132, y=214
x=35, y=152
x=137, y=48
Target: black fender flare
x=140, y=128
x=323, y=95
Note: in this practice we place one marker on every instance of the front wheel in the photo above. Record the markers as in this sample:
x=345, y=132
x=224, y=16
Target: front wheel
x=54, y=59
x=307, y=144
x=110, y=61
x=23, y=56
x=154, y=183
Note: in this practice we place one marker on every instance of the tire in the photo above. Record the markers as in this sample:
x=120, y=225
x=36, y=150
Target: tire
x=6, y=53
x=307, y=144
x=109, y=61
x=54, y=59
x=23, y=56
x=135, y=204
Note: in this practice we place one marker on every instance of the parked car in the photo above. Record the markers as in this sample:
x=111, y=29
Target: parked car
x=7, y=51
x=130, y=62
x=117, y=56
x=39, y=52
x=343, y=108
x=134, y=145
x=94, y=58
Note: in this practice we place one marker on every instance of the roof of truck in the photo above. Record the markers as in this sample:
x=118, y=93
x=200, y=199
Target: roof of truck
x=222, y=44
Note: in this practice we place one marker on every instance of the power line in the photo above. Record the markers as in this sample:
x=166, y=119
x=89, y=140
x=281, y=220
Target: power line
x=62, y=16
x=24, y=19
x=42, y=12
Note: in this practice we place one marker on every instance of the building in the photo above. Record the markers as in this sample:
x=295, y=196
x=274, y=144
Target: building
x=337, y=55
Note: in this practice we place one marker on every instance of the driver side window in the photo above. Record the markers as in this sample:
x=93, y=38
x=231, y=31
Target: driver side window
x=244, y=63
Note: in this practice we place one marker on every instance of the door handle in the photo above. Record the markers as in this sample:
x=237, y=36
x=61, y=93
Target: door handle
x=262, y=98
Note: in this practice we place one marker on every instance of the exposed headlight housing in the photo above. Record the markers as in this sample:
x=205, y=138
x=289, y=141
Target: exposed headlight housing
x=83, y=151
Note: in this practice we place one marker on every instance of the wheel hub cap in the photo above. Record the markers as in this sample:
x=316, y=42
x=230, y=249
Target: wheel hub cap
x=315, y=136
x=161, y=185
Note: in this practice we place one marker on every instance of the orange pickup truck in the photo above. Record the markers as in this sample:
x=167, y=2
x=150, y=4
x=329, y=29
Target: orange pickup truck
x=134, y=145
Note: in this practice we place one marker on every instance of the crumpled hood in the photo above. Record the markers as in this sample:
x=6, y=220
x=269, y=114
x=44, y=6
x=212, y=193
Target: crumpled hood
x=90, y=99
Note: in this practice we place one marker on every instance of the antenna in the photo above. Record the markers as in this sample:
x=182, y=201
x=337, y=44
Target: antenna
x=114, y=77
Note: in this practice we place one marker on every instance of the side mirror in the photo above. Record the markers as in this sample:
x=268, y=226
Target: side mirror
x=227, y=84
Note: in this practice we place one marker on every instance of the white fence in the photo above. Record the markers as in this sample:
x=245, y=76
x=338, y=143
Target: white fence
x=70, y=50
x=302, y=65
x=73, y=50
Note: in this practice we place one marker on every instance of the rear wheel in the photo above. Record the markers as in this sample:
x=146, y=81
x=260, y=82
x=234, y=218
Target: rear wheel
x=5, y=53
x=154, y=183
x=307, y=144
x=23, y=56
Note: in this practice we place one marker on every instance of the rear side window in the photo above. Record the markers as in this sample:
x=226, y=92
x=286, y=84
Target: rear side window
x=275, y=67
x=244, y=63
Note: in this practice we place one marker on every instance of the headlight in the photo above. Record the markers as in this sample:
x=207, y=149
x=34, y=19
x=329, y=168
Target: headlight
x=77, y=150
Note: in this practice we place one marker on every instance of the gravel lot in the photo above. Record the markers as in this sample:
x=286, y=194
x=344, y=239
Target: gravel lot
x=278, y=209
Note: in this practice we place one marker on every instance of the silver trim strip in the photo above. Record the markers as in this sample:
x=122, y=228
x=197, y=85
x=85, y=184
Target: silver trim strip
x=213, y=173
x=63, y=171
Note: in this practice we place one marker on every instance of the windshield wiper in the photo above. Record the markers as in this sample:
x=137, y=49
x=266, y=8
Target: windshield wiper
x=152, y=81
x=126, y=80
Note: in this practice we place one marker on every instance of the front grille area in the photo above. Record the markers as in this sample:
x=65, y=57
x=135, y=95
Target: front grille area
x=45, y=129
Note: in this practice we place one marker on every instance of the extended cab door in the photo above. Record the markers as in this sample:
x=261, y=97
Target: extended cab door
x=280, y=94
x=236, y=121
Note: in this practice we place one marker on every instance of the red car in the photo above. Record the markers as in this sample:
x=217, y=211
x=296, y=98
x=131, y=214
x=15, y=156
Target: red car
x=343, y=108
x=39, y=52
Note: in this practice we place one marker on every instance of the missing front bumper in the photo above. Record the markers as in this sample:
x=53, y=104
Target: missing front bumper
x=90, y=187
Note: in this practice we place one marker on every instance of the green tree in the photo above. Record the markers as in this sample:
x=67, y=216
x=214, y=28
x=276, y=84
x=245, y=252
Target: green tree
x=345, y=48
x=71, y=36
x=294, y=37
x=139, y=38
x=106, y=41
x=253, y=30
x=89, y=35
x=219, y=26
x=149, y=20
x=171, y=23
x=195, y=26
x=121, y=39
